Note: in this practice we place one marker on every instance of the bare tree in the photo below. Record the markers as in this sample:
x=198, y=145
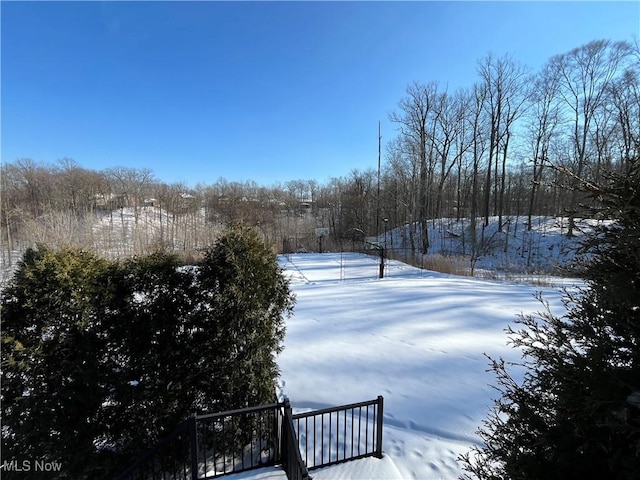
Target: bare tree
x=464, y=141
x=131, y=183
x=479, y=146
x=625, y=104
x=586, y=74
x=505, y=82
x=10, y=210
x=543, y=123
x=450, y=142
x=417, y=125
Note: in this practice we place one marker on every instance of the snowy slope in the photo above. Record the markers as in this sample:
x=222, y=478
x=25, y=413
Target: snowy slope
x=415, y=337
x=513, y=248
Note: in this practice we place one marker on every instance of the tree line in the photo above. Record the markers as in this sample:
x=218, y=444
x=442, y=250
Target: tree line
x=515, y=142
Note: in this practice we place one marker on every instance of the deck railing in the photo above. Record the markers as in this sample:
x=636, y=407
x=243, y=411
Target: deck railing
x=338, y=434
x=238, y=440
x=170, y=458
x=292, y=462
x=208, y=446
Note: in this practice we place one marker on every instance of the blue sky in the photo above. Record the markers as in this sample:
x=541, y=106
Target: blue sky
x=262, y=91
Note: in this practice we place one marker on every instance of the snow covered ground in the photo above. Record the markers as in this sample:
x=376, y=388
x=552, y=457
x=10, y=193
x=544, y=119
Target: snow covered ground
x=416, y=337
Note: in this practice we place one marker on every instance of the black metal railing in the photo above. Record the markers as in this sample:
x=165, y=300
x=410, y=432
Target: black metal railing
x=292, y=463
x=208, y=446
x=338, y=434
x=238, y=440
x=170, y=458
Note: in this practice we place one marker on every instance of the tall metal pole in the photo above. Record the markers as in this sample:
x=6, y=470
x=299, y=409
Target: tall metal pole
x=382, y=248
x=378, y=198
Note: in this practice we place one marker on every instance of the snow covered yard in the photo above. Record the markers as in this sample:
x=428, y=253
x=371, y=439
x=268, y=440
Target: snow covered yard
x=415, y=337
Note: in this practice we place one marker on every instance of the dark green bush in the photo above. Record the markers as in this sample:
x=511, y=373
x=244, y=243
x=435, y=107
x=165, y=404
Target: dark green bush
x=100, y=359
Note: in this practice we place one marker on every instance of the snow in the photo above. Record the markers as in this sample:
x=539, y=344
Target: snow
x=514, y=248
x=416, y=337
x=364, y=469
x=267, y=473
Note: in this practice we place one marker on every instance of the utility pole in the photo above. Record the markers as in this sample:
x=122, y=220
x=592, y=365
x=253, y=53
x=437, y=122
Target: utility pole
x=378, y=198
x=380, y=247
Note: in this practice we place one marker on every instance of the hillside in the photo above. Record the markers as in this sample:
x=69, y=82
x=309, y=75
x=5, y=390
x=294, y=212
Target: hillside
x=514, y=252
x=543, y=249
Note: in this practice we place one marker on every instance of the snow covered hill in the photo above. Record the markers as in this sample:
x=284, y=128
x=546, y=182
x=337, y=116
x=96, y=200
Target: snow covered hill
x=416, y=337
x=514, y=248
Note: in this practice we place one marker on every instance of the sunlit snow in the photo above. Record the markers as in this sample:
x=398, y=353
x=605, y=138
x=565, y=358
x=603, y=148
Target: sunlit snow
x=416, y=337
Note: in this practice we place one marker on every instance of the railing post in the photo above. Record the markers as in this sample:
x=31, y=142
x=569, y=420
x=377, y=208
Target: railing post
x=277, y=433
x=292, y=463
x=287, y=413
x=285, y=440
x=193, y=442
x=379, y=426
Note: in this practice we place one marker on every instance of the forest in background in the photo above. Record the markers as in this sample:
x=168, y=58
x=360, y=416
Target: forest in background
x=516, y=142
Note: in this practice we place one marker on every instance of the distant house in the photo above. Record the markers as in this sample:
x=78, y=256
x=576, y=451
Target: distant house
x=187, y=201
x=111, y=200
x=305, y=206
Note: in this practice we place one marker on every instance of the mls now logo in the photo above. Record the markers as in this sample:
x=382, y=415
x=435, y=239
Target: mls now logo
x=28, y=466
